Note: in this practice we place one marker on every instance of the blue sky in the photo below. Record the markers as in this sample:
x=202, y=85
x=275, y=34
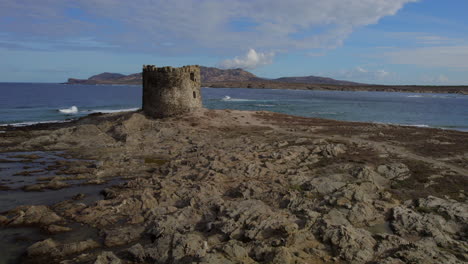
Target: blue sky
x=372, y=41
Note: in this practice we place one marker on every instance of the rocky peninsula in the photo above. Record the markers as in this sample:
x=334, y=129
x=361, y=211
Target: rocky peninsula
x=239, y=78
x=224, y=186
x=220, y=186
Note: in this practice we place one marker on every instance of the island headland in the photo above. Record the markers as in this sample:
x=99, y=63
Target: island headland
x=239, y=78
x=223, y=186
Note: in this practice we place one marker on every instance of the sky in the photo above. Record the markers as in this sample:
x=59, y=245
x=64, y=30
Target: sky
x=371, y=41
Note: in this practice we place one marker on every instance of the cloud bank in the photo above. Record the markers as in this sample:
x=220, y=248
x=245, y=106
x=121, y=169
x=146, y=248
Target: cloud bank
x=364, y=75
x=251, y=60
x=215, y=26
x=454, y=57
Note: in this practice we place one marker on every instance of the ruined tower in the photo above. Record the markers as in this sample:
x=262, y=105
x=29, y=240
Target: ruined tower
x=169, y=91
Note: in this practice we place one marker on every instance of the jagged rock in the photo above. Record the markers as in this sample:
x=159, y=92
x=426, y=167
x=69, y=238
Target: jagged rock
x=391, y=261
x=216, y=259
x=334, y=218
x=387, y=244
x=200, y=189
x=107, y=257
x=53, y=184
x=107, y=212
x=363, y=214
x=96, y=181
x=76, y=247
x=253, y=219
x=427, y=251
x=368, y=174
x=56, y=184
x=159, y=251
x=57, y=229
x=355, y=246
x=179, y=221
x=439, y=225
x=330, y=150
x=281, y=256
x=406, y=221
x=452, y=210
x=323, y=185
x=33, y=215
x=188, y=246
x=136, y=253
x=51, y=248
x=45, y=247
x=235, y=250
x=3, y=220
x=79, y=196
x=122, y=235
x=394, y=171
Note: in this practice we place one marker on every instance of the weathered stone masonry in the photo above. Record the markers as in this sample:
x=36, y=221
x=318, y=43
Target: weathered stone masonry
x=169, y=91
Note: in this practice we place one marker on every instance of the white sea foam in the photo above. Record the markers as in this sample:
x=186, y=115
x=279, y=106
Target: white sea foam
x=30, y=123
x=416, y=125
x=230, y=99
x=71, y=110
x=264, y=105
x=325, y=113
x=107, y=111
x=414, y=96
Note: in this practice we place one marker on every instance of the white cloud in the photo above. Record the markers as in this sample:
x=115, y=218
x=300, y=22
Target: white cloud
x=423, y=38
x=443, y=79
x=251, y=60
x=435, y=79
x=440, y=56
x=361, y=74
x=210, y=25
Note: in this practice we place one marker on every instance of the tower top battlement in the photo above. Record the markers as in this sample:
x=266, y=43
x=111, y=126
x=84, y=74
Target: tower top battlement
x=153, y=68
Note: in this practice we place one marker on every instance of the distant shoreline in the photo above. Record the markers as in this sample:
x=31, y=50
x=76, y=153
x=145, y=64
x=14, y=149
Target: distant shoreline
x=460, y=89
x=353, y=88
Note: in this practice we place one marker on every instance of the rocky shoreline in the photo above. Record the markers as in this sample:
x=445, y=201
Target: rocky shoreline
x=222, y=186
x=333, y=87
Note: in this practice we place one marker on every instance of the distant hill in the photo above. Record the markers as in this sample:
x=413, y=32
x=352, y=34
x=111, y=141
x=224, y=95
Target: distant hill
x=238, y=78
x=108, y=78
x=208, y=75
x=211, y=74
x=314, y=80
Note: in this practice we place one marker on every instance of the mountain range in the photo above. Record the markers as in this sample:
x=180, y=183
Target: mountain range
x=209, y=76
x=239, y=78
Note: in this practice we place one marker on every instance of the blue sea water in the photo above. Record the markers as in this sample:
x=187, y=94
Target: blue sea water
x=25, y=103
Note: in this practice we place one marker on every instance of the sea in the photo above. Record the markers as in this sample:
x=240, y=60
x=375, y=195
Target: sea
x=29, y=103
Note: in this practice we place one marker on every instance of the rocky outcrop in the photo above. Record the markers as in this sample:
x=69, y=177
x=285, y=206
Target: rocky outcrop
x=122, y=235
x=56, y=250
x=237, y=187
x=32, y=215
x=107, y=257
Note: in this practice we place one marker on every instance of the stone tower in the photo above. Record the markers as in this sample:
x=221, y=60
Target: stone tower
x=169, y=91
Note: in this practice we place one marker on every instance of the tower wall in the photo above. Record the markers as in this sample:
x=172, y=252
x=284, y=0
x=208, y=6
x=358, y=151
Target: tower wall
x=169, y=91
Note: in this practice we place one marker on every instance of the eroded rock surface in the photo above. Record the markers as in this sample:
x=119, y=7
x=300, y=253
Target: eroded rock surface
x=248, y=187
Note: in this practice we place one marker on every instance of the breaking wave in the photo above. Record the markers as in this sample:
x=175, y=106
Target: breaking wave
x=30, y=123
x=107, y=111
x=416, y=125
x=229, y=99
x=71, y=110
